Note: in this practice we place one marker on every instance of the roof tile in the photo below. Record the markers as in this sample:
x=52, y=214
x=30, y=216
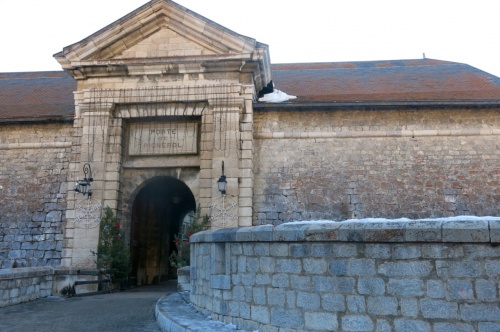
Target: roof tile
x=36, y=95
x=397, y=80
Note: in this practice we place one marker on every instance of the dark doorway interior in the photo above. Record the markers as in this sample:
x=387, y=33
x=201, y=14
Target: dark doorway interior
x=157, y=214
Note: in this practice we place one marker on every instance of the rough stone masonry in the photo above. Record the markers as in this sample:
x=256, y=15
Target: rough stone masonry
x=34, y=163
x=357, y=163
x=430, y=276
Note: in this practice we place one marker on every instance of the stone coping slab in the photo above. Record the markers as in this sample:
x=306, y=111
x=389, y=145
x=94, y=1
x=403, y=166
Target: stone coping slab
x=27, y=272
x=63, y=270
x=468, y=230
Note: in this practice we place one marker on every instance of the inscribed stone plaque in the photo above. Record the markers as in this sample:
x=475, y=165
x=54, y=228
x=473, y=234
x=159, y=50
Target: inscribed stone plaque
x=163, y=138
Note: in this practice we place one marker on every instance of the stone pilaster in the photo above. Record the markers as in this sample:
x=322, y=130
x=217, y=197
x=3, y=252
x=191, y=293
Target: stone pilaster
x=246, y=182
x=94, y=148
x=226, y=114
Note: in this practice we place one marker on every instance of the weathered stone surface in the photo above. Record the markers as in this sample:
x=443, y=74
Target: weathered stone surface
x=423, y=231
x=332, y=302
x=489, y=327
x=403, y=325
x=459, y=289
x=453, y=327
x=464, y=269
x=438, y=309
x=260, y=314
x=382, y=305
x=419, y=180
x=406, y=251
x=320, y=321
x=494, y=231
x=418, y=286
x=357, y=323
x=384, y=232
x=492, y=267
x=31, y=189
x=406, y=269
x=486, y=290
x=286, y=318
x=308, y=301
x=480, y=312
x=435, y=289
x=356, y=304
x=405, y=287
x=466, y=231
x=371, y=286
x=409, y=307
x=54, y=216
x=327, y=231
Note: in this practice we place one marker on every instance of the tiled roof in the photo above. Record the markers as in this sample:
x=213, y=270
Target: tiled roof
x=42, y=95
x=36, y=95
x=375, y=81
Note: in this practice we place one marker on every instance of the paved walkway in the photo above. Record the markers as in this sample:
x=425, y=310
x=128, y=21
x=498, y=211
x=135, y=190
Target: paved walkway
x=128, y=311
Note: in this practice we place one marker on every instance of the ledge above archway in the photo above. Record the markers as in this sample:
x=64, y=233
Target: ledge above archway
x=164, y=37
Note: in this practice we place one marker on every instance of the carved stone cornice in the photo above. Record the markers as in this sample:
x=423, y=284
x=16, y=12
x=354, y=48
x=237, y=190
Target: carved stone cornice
x=104, y=54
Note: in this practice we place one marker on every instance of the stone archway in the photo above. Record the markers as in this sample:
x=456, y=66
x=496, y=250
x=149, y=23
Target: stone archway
x=157, y=214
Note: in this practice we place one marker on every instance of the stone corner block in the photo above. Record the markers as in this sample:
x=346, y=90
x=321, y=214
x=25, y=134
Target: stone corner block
x=290, y=232
x=423, y=231
x=205, y=236
x=220, y=281
x=466, y=231
x=384, y=231
x=255, y=233
x=185, y=270
x=352, y=231
x=327, y=231
x=224, y=235
x=494, y=231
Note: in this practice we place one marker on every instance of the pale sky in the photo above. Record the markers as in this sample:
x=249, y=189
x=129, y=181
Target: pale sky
x=465, y=31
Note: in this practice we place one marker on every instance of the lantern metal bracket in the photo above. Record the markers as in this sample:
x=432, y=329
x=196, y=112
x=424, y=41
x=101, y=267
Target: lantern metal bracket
x=222, y=182
x=83, y=186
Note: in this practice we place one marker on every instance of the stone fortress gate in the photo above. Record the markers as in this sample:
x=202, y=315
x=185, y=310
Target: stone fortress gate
x=164, y=97
x=157, y=106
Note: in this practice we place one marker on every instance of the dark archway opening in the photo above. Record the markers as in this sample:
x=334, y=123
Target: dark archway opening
x=157, y=214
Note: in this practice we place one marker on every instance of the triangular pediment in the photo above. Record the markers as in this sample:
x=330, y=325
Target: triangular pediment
x=159, y=29
x=165, y=43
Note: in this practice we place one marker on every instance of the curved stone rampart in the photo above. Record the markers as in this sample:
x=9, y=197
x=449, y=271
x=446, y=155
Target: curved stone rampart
x=423, y=275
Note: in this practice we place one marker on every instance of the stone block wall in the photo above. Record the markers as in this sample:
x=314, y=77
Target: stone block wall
x=34, y=163
x=351, y=276
x=24, y=284
x=183, y=279
x=341, y=164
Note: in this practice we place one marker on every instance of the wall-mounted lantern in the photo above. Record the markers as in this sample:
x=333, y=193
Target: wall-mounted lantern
x=221, y=208
x=83, y=186
x=222, y=183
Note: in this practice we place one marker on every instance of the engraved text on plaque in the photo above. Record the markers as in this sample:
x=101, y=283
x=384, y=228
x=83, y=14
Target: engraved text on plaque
x=163, y=138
